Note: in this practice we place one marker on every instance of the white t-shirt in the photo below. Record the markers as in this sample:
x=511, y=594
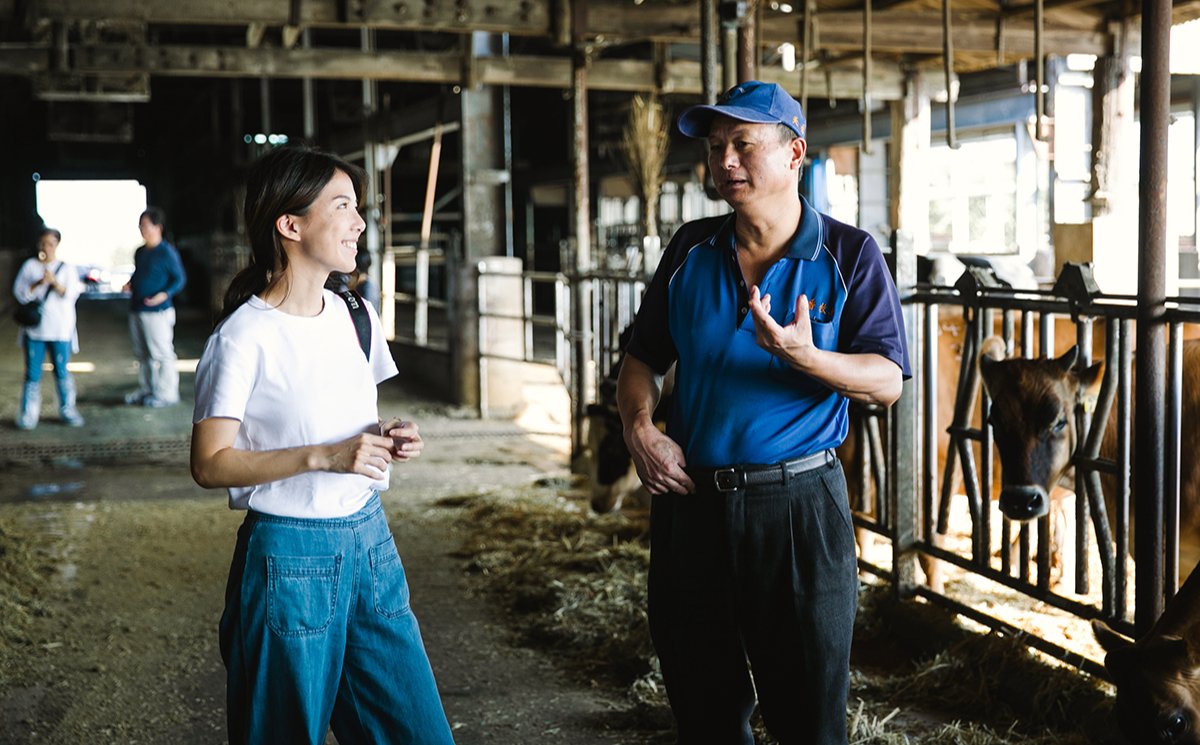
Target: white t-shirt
x=293, y=381
x=58, y=311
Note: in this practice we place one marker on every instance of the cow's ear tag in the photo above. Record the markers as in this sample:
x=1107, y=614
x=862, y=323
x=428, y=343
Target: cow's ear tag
x=1089, y=404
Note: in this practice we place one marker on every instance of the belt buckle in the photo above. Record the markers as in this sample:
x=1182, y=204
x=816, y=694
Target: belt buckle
x=726, y=479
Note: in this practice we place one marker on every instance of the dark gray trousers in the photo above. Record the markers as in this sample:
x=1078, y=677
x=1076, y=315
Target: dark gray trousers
x=766, y=574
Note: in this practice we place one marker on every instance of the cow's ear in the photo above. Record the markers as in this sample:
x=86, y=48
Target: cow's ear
x=1171, y=652
x=1090, y=379
x=1067, y=361
x=990, y=353
x=1108, y=638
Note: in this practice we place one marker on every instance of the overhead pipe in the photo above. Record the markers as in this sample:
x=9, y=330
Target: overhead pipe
x=710, y=71
x=810, y=8
x=948, y=64
x=747, y=44
x=867, y=78
x=1039, y=53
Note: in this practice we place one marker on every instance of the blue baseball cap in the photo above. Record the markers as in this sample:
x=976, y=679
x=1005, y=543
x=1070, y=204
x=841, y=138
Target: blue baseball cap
x=752, y=101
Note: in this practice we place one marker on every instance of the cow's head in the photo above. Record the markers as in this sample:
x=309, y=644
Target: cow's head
x=1033, y=423
x=1158, y=686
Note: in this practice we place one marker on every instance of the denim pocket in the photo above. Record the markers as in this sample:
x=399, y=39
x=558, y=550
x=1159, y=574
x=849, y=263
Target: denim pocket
x=301, y=593
x=387, y=579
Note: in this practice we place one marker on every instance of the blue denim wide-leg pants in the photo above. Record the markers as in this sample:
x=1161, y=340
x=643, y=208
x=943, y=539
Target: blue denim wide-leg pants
x=317, y=631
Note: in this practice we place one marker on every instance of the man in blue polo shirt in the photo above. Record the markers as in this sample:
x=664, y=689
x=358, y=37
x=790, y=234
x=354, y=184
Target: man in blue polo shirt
x=775, y=316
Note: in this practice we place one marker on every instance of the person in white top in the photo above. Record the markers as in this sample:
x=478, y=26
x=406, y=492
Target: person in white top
x=57, y=284
x=317, y=630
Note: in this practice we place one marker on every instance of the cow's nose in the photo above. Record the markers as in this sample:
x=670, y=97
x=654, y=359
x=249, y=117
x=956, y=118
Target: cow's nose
x=1024, y=502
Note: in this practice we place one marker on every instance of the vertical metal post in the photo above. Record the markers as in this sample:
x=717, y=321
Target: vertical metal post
x=948, y=66
x=264, y=107
x=810, y=9
x=904, y=487
x=1043, y=523
x=987, y=325
x=1124, y=461
x=710, y=69
x=929, y=384
x=1083, y=340
x=1039, y=54
x=747, y=44
x=506, y=105
x=306, y=90
x=866, y=78
x=1174, y=422
x=367, y=37
x=582, y=368
x=1155, y=84
x=729, y=55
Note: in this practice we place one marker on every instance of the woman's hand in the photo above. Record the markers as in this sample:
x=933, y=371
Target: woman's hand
x=365, y=454
x=406, y=443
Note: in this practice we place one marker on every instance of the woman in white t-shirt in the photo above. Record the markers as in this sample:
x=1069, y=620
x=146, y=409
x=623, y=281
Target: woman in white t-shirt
x=57, y=284
x=317, y=629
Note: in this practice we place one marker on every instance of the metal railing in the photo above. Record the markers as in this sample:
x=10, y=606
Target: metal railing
x=1074, y=298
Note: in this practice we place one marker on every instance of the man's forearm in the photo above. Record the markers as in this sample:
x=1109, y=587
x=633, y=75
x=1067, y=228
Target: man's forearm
x=638, y=391
x=869, y=378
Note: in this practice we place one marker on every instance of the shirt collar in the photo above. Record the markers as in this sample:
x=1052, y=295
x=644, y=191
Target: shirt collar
x=806, y=243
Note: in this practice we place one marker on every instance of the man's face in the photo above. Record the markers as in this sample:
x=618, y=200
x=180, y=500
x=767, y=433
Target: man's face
x=750, y=162
x=151, y=233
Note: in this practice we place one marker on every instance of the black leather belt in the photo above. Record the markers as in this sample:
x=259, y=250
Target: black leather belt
x=732, y=478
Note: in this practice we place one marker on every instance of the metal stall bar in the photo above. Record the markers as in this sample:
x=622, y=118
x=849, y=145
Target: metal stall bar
x=1124, y=469
x=1027, y=351
x=1083, y=342
x=1089, y=457
x=581, y=382
x=929, y=382
x=1155, y=83
x=1046, y=345
x=1174, y=425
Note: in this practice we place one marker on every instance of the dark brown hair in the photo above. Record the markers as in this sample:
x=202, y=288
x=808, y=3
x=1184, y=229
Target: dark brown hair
x=285, y=181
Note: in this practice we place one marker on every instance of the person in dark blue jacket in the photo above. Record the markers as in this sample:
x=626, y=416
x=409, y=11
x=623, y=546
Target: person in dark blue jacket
x=157, y=277
x=774, y=317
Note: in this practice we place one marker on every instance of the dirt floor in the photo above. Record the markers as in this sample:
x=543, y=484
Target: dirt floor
x=112, y=581
x=109, y=621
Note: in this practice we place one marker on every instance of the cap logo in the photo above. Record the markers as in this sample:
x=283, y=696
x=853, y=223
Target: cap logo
x=796, y=120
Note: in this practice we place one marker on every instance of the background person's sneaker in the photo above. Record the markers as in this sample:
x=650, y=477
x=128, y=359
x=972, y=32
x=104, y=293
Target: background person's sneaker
x=157, y=403
x=135, y=399
x=72, y=418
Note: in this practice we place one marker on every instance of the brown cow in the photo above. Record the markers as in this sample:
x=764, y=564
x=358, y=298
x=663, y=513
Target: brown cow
x=1158, y=676
x=1033, y=422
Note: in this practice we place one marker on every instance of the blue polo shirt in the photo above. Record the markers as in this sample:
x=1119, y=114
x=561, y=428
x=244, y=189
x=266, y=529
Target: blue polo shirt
x=734, y=402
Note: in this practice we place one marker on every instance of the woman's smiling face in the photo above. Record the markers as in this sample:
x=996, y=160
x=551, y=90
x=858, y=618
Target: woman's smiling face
x=329, y=232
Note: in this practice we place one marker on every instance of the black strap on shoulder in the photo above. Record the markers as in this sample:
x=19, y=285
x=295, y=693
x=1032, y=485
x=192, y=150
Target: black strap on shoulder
x=362, y=321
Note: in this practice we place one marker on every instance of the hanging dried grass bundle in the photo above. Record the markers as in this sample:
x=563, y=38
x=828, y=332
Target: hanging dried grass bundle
x=645, y=146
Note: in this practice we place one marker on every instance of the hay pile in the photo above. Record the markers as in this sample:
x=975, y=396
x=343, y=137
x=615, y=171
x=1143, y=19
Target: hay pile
x=575, y=582
x=28, y=555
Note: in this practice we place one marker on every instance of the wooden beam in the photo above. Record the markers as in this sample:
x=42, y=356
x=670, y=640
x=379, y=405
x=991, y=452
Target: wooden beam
x=902, y=33
x=609, y=22
x=528, y=17
x=678, y=76
x=1018, y=11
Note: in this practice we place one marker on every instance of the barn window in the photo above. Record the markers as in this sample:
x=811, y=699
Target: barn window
x=973, y=195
